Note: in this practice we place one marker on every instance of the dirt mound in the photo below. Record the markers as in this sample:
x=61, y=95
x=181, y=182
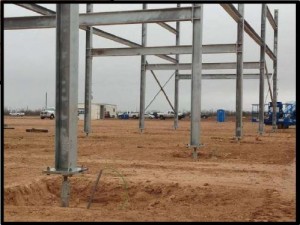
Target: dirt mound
x=40, y=192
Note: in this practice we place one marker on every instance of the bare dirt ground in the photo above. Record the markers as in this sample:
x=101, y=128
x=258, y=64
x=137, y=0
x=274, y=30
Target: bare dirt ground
x=151, y=176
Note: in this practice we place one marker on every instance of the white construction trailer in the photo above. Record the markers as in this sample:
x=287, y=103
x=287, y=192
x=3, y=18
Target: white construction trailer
x=98, y=111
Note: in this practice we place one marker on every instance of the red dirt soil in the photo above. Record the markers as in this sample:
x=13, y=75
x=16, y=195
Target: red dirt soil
x=151, y=176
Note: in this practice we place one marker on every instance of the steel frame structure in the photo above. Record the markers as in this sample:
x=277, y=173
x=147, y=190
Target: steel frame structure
x=67, y=20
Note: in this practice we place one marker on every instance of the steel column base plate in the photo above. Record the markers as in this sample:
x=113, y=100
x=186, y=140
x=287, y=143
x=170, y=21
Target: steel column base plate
x=65, y=172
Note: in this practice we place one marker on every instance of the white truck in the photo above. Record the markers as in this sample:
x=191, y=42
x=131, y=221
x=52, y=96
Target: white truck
x=17, y=114
x=133, y=115
x=169, y=114
x=48, y=113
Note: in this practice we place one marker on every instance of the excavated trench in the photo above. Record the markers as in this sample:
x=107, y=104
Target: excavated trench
x=114, y=193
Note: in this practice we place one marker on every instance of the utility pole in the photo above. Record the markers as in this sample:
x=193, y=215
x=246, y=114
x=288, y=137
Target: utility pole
x=46, y=101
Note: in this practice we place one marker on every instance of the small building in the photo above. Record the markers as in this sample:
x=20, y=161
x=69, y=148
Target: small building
x=98, y=111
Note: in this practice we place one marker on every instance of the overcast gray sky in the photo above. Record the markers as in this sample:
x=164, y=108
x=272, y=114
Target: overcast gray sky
x=29, y=61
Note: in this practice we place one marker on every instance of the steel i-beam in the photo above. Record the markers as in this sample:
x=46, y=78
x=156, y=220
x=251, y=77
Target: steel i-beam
x=143, y=78
x=239, y=75
x=196, y=78
x=67, y=43
x=262, y=70
x=88, y=74
x=274, y=118
x=176, y=91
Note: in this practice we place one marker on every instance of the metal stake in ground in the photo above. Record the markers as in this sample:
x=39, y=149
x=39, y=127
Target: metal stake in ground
x=65, y=192
x=195, y=154
x=95, y=187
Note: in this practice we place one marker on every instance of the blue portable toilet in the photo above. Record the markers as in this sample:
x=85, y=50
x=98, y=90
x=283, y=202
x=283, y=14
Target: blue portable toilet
x=221, y=115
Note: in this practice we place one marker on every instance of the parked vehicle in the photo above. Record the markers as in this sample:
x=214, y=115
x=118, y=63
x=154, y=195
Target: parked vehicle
x=134, y=115
x=17, y=114
x=48, y=113
x=204, y=116
x=149, y=116
x=169, y=114
x=123, y=115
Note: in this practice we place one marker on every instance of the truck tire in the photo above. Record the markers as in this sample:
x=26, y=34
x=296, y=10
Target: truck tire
x=161, y=117
x=51, y=117
x=134, y=116
x=42, y=117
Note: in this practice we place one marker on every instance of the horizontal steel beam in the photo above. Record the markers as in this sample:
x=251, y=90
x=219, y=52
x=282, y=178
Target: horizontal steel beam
x=271, y=19
x=137, y=16
x=205, y=66
x=96, y=31
x=168, y=50
x=221, y=76
x=234, y=13
x=123, y=41
x=104, y=18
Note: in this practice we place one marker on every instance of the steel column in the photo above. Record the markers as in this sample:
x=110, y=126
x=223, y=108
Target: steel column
x=143, y=77
x=239, y=75
x=66, y=86
x=262, y=69
x=176, y=91
x=88, y=74
x=46, y=102
x=274, y=126
x=67, y=43
x=195, y=139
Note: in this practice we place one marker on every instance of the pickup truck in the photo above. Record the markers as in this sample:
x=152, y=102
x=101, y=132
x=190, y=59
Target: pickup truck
x=48, y=113
x=17, y=114
x=133, y=115
x=169, y=114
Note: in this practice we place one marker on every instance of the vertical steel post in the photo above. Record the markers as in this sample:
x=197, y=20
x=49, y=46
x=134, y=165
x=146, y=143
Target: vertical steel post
x=46, y=102
x=274, y=118
x=196, y=77
x=143, y=77
x=88, y=74
x=176, y=100
x=239, y=75
x=262, y=69
x=67, y=43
